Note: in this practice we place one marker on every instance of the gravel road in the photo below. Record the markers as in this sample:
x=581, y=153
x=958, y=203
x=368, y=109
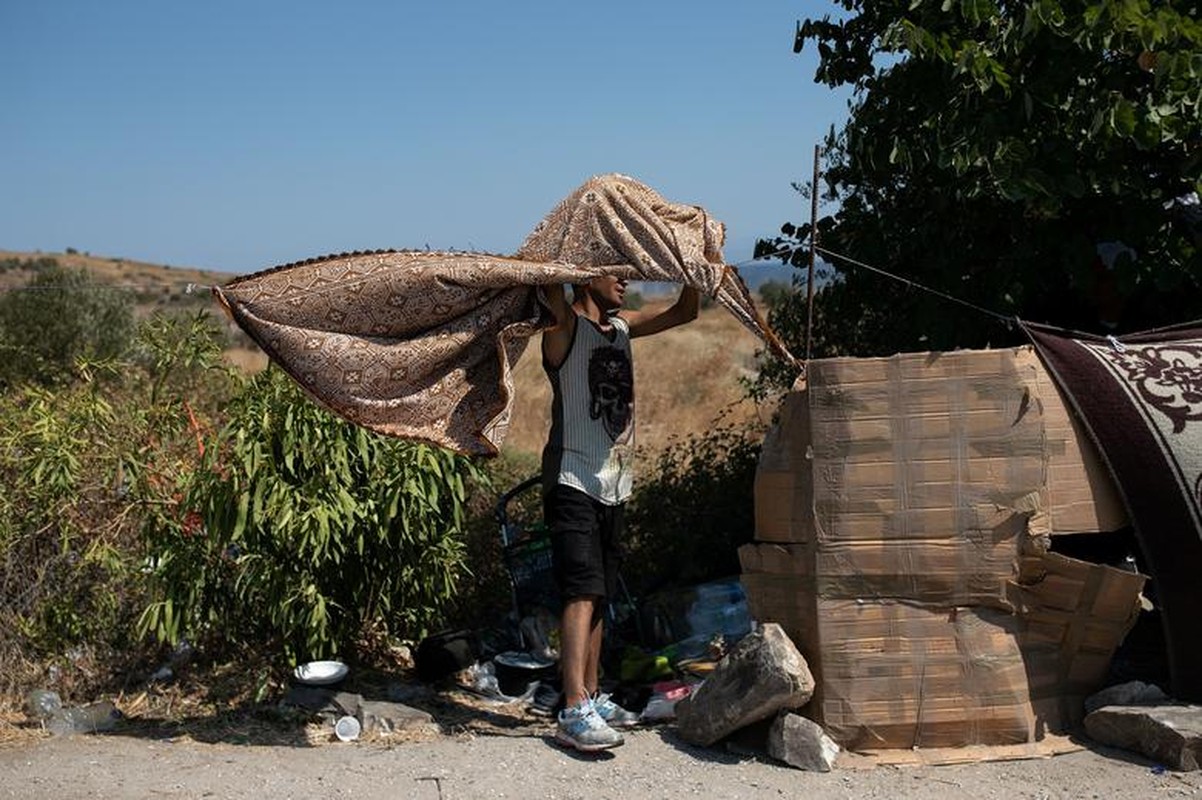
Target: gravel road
x=652, y=764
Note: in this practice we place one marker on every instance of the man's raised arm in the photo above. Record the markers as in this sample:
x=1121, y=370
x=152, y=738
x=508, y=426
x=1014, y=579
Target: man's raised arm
x=645, y=323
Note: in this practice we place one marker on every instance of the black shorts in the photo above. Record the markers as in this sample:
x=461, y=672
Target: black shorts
x=585, y=542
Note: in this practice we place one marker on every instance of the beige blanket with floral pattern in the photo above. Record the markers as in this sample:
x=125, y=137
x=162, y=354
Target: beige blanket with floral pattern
x=421, y=345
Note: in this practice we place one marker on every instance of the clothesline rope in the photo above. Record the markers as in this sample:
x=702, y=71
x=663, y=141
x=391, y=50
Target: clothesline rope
x=784, y=252
x=944, y=295
x=189, y=288
x=195, y=288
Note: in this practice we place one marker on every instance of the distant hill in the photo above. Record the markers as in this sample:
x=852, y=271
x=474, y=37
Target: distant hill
x=758, y=273
x=152, y=285
x=136, y=275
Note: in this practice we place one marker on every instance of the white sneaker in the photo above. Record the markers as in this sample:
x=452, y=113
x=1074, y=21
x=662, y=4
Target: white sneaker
x=581, y=727
x=614, y=715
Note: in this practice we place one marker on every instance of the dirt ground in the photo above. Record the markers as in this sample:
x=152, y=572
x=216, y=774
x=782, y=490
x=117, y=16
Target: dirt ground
x=521, y=760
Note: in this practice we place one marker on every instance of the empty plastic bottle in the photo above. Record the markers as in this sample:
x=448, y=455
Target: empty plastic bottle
x=42, y=704
x=102, y=716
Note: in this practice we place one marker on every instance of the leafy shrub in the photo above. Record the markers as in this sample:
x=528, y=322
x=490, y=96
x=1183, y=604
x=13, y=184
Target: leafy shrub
x=80, y=468
x=308, y=532
x=692, y=510
x=486, y=599
x=58, y=534
x=61, y=315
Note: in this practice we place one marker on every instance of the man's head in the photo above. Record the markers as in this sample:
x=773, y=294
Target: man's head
x=606, y=291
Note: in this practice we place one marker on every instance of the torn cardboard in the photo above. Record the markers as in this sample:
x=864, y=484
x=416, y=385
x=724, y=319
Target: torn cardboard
x=902, y=510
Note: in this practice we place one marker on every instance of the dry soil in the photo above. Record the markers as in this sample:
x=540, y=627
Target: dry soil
x=526, y=763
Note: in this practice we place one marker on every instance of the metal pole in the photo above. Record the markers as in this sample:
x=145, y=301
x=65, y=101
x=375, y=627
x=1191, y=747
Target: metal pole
x=813, y=249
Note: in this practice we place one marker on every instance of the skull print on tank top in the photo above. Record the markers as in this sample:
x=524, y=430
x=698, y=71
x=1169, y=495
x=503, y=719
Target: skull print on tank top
x=591, y=444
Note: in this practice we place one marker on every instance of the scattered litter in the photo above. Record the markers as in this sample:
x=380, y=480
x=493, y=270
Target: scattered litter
x=321, y=673
x=41, y=704
x=94, y=718
x=481, y=679
x=664, y=697
x=347, y=728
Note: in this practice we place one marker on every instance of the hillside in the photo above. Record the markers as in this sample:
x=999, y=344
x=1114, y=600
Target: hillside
x=686, y=379
x=154, y=286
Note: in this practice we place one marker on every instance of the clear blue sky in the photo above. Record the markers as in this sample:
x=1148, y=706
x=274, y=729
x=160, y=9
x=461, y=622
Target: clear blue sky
x=238, y=135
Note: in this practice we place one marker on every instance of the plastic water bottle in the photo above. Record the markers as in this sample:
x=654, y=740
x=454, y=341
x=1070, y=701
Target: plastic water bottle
x=42, y=704
x=92, y=718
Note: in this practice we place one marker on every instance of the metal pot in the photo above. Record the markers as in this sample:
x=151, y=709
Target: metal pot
x=516, y=671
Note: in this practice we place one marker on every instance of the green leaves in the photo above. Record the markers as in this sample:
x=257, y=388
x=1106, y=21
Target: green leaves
x=991, y=149
x=58, y=317
x=1122, y=117
x=83, y=466
x=316, y=531
x=692, y=510
x=977, y=12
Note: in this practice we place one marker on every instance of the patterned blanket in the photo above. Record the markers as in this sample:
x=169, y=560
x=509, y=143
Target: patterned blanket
x=421, y=344
x=1141, y=400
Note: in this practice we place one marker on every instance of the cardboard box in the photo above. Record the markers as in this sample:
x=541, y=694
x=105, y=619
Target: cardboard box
x=902, y=513
x=891, y=673
x=783, y=486
x=917, y=440
x=1084, y=496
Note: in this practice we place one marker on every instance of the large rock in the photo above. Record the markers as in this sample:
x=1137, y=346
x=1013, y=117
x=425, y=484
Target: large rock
x=1170, y=734
x=323, y=701
x=381, y=716
x=375, y=716
x=1131, y=693
x=762, y=674
x=801, y=743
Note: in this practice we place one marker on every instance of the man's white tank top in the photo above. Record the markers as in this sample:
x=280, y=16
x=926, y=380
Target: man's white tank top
x=591, y=445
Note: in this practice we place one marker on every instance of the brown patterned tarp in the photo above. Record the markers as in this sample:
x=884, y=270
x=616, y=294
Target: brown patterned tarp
x=1140, y=397
x=421, y=345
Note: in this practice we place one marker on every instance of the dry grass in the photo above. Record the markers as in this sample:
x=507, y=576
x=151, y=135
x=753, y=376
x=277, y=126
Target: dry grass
x=686, y=380
x=208, y=703
x=249, y=360
x=216, y=703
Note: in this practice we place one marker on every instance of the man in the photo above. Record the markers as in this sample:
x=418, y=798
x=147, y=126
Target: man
x=587, y=478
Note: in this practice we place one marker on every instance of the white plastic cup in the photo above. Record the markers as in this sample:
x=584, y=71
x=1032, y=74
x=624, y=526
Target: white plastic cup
x=347, y=728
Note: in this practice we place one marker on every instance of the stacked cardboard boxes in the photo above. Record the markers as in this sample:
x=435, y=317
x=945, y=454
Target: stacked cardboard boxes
x=904, y=509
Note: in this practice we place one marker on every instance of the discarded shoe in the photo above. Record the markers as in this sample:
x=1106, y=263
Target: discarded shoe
x=546, y=700
x=581, y=727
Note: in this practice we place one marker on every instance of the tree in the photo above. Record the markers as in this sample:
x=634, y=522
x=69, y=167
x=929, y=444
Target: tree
x=774, y=292
x=59, y=316
x=1031, y=158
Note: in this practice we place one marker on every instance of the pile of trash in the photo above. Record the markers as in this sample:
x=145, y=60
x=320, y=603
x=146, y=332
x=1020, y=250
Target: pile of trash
x=655, y=657
x=45, y=706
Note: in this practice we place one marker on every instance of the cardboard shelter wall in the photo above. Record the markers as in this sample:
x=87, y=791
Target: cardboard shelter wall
x=903, y=512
